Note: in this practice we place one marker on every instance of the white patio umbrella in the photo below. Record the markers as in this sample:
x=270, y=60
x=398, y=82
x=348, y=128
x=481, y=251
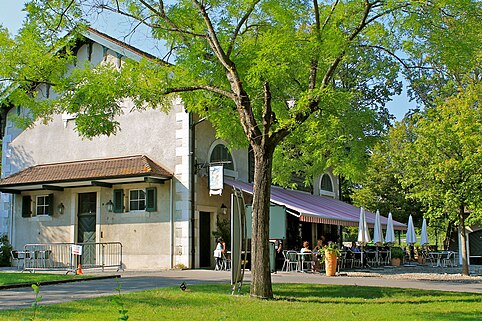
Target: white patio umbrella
x=390, y=234
x=363, y=234
x=424, y=235
x=377, y=232
x=411, y=236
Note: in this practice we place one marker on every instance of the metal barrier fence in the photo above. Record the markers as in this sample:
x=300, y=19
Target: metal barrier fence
x=68, y=256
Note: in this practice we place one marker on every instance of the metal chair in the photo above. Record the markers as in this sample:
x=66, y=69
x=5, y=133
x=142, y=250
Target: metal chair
x=292, y=260
x=19, y=257
x=448, y=259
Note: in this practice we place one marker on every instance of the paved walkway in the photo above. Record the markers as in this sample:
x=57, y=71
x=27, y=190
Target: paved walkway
x=138, y=281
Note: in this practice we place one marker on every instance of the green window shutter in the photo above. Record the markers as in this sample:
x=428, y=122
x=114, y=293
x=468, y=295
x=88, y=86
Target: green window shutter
x=50, y=208
x=151, y=199
x=26, y=206
x=118, y=201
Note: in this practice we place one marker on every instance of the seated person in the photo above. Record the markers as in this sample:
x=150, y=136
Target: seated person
x=354, y=248
x=306, y=247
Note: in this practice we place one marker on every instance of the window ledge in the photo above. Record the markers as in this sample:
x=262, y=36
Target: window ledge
x=41, y=218
x=135, y=214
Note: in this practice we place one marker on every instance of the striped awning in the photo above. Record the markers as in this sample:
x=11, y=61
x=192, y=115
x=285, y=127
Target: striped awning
x=316, y=209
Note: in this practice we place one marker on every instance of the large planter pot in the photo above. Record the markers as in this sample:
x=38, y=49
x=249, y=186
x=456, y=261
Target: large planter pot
x=330, y=263
x=395, y=261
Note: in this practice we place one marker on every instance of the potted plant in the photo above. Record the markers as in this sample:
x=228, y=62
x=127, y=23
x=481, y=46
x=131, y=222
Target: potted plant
x=397, y=255
x=330, y=253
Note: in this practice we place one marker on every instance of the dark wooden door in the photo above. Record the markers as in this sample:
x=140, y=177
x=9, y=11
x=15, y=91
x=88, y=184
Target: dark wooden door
x=205, y=250
x=86, y=226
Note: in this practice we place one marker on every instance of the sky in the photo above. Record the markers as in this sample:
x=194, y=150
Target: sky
x=11, y=17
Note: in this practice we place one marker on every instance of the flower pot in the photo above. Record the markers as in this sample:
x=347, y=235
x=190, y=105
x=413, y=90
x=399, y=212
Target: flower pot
x=421, y=260
x=395, y=261
x=330, y=263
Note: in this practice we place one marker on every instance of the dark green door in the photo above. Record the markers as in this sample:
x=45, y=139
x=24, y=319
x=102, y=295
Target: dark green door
x=205, y=250
x=86, y=226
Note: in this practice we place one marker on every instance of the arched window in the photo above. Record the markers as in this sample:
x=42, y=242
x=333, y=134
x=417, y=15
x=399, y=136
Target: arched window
x=220, y=153
x=326, y=186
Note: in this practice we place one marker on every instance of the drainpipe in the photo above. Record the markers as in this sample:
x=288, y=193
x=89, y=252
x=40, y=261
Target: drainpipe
x=171, y=226
x=192, y=174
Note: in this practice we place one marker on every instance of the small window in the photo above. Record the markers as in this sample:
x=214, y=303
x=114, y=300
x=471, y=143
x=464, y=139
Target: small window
x=42, y=205
x=137, y=200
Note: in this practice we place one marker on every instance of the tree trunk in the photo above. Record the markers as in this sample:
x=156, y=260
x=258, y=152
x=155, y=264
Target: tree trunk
x=261, y=276
x=463, y=241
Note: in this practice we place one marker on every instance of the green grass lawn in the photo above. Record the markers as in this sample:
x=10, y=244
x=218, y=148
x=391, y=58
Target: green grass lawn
x=14, y=278
x=292, y=302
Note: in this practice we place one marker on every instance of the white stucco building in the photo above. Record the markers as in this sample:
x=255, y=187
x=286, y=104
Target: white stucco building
x=146, y=187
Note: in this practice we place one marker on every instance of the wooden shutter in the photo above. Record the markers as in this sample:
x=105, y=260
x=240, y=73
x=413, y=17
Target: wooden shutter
x=118, y=201
x=151, y=199
x=26, y=206
x=50, y=208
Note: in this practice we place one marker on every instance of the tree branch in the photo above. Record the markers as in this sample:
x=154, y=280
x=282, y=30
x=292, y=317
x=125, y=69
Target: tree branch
x=238, y=27
x=200, y=87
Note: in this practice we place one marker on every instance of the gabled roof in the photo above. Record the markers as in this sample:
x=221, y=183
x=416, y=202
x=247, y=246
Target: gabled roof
x=316, y=209
x=100, y=172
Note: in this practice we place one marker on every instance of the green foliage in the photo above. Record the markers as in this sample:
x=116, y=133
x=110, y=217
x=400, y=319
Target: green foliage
x=397, y=252
x=35, y=303
x=119, y=302
x=5, y=248
x=223, y=229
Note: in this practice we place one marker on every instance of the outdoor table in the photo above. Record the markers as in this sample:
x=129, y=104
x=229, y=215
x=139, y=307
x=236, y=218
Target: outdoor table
x=438, y=257
x=301, y=259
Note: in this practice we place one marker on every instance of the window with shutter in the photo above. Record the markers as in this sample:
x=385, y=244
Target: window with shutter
x=26, y=206
x=118, y=200
x=151, y=199
x=50, y=205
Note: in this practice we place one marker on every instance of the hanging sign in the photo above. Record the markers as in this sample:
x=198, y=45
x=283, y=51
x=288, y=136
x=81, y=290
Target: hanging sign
x=216, y=179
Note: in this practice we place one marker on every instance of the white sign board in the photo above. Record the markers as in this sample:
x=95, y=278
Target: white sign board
x=216, y=179
x=76, y=249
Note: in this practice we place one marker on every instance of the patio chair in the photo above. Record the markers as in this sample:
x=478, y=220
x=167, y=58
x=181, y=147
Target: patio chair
x=285, y=263
x=19, y=257
x=292, y=261
x=307, y=260
x=448, y=259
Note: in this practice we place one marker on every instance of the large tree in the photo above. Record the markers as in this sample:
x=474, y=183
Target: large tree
x=440, y=157
x=261, y=70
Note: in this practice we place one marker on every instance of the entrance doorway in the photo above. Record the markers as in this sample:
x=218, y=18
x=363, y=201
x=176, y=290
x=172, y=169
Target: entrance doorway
x=205, y=251
x=86, y=226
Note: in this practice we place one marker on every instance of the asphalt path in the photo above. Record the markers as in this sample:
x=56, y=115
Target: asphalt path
x=138, y=281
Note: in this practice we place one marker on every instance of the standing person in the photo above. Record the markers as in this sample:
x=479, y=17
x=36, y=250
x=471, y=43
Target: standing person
x=218, y=254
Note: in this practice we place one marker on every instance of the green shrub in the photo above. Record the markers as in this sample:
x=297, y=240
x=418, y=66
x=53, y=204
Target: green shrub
x=5, y=249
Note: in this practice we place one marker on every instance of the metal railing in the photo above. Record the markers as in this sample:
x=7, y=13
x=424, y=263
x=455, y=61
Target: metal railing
x=71, y=256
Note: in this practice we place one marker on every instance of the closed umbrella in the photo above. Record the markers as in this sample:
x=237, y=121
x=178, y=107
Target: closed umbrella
x=363, y=234
x=411, y=236
x=377, y=232
x=424, y=235
x=390, y=234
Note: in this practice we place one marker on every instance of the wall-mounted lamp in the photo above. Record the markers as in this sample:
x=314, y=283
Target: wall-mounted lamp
x=224, y=209
x=110, y=206
x=61, y=208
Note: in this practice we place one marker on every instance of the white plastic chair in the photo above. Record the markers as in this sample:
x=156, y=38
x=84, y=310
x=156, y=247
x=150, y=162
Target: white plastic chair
x=292, y=258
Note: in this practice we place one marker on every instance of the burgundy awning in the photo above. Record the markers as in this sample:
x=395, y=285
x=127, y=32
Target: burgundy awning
x=316, y=209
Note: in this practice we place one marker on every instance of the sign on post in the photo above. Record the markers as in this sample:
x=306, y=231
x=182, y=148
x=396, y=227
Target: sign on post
x=76, y=249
